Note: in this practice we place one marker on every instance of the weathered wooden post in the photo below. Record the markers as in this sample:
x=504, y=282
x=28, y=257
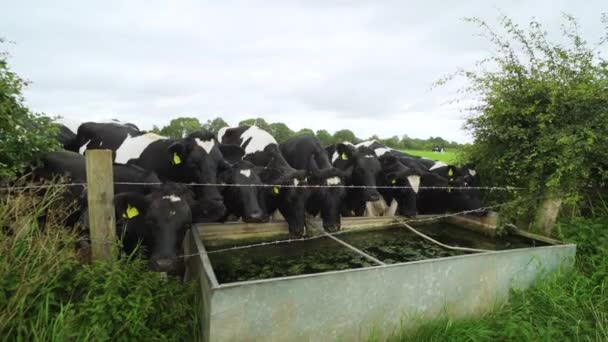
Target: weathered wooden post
x=100, y=193
x=547, y=213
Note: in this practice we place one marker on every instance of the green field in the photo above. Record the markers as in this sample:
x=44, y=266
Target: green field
x=447, y=156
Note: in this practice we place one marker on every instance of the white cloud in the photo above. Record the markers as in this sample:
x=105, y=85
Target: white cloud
x=365, y=66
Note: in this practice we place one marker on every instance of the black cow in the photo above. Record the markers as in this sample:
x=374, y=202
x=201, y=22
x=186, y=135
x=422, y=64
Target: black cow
x=196, y=158
x=158, y=221
x=262, y=150
x=243, y=201
x=362, y=168
x=306, y=152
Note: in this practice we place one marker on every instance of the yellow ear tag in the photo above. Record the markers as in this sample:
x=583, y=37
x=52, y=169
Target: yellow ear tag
x=343, y=156
x=275, y=190
x=450, y=172
x=131, y=212
x=176, y=159
x=394, y=181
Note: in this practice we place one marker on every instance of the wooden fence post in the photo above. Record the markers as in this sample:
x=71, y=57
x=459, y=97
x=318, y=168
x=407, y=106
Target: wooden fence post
x=547, y=213
x=100, y=193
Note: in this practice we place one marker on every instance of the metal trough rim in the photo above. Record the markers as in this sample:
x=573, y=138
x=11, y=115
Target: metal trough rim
x=215, y=285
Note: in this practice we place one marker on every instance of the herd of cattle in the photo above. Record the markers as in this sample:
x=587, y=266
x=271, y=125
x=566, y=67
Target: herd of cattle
x=196, y=178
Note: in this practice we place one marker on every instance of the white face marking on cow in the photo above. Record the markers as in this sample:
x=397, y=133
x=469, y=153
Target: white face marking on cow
x=172, y=198
x=246, y=173
x=392, y=210
x=207, y=145
x=221, y=133
x=84, y=147
x=132, y=147
x=259, y=140
x=334, y=156
x=333, y=181
x=414, y=182
x=472, y=172
x=296, y=182
x=438, y=165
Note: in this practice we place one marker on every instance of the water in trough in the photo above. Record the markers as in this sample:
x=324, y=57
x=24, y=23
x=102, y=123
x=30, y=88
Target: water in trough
x=390, y=245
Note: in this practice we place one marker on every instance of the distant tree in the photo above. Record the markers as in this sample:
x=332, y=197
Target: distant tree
x=180, y=127
x=305, y=131
x=345, y=135
x=392, y=142
x=374, y=137
x=24, y=135
x=215, y=125
x=261, y=123
x=280, y=131
x=155, y=129
x=325, y=137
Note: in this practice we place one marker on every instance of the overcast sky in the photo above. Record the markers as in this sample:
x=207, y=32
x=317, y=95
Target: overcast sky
x=363, y=65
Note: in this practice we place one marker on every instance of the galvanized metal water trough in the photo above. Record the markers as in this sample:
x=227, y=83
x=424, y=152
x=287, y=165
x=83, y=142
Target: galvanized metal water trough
x=353, y=304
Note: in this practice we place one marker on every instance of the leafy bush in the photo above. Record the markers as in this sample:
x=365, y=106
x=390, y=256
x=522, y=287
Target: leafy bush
x=20, y=127
x=46, y=293
x=541, y=121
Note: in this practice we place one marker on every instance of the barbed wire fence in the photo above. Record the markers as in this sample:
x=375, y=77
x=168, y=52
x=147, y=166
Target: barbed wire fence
x=405, y=223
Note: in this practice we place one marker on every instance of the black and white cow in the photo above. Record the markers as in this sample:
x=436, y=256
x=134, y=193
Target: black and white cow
x=305, y=152
x=262, y=150
x=403, y=198
x=158, y=221
x=244, y=202
x=362, y=168
x=195, y=159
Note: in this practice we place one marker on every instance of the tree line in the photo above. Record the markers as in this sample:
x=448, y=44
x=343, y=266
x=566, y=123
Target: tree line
x=182, y=126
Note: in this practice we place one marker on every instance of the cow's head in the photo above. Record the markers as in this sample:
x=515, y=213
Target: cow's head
x=463, y=197
x=289, y=200
x=328, y=198
x=362, y=168
x=158, y=221
x=198, y=159
x=406, y=182
x=243, y=201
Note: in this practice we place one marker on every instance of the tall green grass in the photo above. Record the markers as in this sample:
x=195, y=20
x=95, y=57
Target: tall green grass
x=48, y=294
x=566, y=306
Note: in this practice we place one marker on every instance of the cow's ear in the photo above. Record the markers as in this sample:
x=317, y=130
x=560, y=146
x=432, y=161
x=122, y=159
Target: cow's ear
x=178, y=151
x=232, y=153
x=345, y=152
x=130, y=205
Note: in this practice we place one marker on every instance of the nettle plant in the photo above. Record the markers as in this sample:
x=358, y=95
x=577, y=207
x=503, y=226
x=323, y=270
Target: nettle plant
x=541, y=116
x=23, y=134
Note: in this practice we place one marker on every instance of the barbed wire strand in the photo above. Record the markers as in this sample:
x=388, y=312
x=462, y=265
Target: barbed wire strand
x=491, y=188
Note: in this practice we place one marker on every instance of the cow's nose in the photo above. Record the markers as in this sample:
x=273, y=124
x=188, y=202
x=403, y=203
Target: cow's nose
x=374, y=197
x=164, y=265
x=332, y=227
x=255, y=217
